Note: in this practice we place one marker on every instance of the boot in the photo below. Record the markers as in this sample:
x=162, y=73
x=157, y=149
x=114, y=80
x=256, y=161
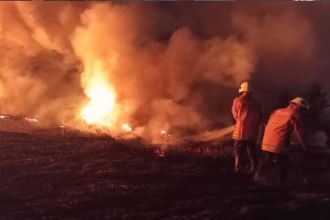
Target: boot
x=237, y=165
x=253, y=167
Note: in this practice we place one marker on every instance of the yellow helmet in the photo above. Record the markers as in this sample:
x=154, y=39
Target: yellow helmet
x=301, y=103
x=245, y=87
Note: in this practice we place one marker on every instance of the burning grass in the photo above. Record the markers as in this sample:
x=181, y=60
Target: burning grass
x=98, y=177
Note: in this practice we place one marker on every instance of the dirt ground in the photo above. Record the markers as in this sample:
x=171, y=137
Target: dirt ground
x=85, y=177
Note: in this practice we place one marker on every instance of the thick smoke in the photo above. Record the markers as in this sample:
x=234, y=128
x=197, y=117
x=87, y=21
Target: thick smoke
x=173, y=66
x=39, y=75
x=155, y=80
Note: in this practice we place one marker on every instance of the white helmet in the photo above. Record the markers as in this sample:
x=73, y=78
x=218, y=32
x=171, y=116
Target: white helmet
x=245, y=87
x=301, y=103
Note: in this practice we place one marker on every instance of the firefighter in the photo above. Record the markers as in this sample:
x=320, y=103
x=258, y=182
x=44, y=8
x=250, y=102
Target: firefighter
x=247, y=114
x=276, y=139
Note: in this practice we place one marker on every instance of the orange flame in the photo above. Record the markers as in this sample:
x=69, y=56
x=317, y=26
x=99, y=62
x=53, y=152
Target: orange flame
x=102, y=99
x=126, y=128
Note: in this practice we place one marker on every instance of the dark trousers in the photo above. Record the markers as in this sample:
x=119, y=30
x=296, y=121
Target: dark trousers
x=243, y=150
x=280, y=161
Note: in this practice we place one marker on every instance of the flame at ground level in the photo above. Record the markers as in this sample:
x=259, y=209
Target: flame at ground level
x=126, y=128
x=101, y=104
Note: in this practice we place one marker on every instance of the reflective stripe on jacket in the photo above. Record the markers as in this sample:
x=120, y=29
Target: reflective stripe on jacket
x=279, y=127
x=246, y=112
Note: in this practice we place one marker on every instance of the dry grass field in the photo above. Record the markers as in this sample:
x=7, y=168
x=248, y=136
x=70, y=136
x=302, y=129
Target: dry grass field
x=96, y=177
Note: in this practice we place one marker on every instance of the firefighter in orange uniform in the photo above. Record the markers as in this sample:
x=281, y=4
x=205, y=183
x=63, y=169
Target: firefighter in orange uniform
x=247, y=114
x=281, y=124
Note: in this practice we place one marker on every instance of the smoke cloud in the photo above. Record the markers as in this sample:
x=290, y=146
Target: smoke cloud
x=171, y=66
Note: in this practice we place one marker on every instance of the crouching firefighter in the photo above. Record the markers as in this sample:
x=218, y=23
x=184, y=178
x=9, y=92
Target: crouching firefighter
x=276, y=140
x=247, y=114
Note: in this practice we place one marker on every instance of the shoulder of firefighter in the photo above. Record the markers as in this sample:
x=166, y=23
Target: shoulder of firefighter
x=279, y=127
x=246, y=112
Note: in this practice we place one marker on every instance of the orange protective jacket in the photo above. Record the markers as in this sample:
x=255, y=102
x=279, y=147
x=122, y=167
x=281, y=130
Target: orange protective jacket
x=246, y=112
x=279, y=127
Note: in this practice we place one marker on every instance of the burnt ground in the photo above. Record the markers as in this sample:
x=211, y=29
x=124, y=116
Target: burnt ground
x=84, y=177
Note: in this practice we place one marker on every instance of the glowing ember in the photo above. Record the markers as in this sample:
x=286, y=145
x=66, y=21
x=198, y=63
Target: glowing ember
x=4, y=116
x=101, y=104
x=125, y=127
x=34, y=120
x=160, y=153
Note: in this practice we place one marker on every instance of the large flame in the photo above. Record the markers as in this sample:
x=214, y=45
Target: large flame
x=102, y=99
x=101, y=104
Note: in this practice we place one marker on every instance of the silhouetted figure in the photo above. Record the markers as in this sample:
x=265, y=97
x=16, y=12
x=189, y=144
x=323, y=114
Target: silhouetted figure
x=276, y=140
x=247, y=114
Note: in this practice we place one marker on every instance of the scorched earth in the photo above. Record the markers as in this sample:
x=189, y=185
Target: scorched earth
x=51, y=175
